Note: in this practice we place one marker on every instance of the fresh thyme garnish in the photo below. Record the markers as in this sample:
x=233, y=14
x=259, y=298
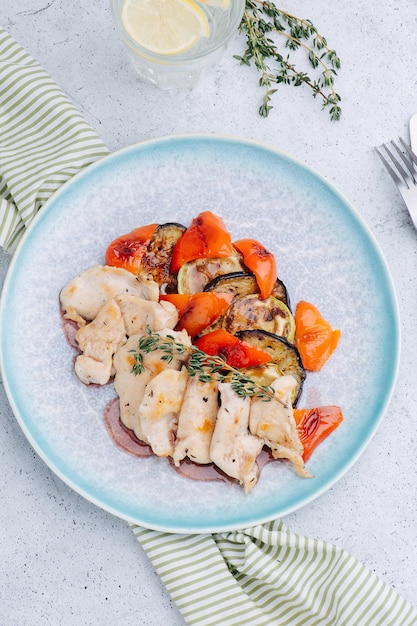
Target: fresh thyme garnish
x=262, y=20
x=199, y=364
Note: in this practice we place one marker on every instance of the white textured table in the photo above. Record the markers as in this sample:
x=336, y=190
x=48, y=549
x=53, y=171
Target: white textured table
x=62, y=560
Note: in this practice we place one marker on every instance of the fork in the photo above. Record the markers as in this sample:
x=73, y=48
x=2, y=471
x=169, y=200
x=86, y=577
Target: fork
x=401, y=169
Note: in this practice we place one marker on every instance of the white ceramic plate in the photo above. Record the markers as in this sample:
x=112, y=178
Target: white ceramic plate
x=325, y=254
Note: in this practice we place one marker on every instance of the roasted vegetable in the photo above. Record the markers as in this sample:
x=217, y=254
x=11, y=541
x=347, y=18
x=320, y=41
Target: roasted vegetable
x=285, y=358
x=157, y=258
x=260, y=262
x=243, y=284
x=316, y=424
x=250, y=312
x=199, y=310
x=195, y=275
x=315, y=338
x=206, y=237
x=236, y=352
x=127, y=250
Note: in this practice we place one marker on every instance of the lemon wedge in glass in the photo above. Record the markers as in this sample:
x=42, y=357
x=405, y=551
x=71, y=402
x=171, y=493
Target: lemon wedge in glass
x=219, y=4
x=165, y=26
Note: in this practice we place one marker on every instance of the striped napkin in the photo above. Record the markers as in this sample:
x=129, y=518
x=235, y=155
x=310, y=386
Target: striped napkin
x=260, y=576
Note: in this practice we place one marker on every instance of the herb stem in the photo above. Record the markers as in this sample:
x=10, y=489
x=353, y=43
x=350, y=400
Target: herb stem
x=198, y=363
x=262, y=18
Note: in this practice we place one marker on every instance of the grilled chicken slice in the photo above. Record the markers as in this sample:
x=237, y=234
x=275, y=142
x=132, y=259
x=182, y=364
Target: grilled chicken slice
x=233, y=449
x=138, y=314
x=84, y=295
x=274, y=423
x=196, y=421
x=159, y=410
x=131, y=388
x=98, y=341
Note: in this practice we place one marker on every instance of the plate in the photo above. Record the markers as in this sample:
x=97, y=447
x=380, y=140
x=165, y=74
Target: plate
x=325, y=254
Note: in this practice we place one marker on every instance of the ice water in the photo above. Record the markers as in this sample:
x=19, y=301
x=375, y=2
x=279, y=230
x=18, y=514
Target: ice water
x=184, y=70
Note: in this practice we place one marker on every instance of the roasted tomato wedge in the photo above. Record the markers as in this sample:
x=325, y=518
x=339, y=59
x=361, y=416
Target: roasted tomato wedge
x=314, y=337
x=127, y=250
x=180, y=300
x=206, y=237
x=237, y=353
x=199, y=311
x=316, y=424
x=260, y=262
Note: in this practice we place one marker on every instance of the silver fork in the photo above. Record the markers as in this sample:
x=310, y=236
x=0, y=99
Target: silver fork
x=401, y=168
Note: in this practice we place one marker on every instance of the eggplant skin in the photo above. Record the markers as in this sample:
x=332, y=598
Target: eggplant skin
x=244, y=284
x=285, y=357
x=157, y=258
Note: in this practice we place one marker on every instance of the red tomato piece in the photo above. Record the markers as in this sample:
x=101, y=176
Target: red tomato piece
x=206, y=238
x=203, y=309
x=126, y=251
x=180, y=300
x=315, y=339
x=260, y=262
x=316, y=424
x=237, y=353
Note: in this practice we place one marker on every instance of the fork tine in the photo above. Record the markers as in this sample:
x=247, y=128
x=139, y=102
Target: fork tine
x=409, y=151
x=394, y=160
x=397, y=180
x=405, y=160
x=406, y=184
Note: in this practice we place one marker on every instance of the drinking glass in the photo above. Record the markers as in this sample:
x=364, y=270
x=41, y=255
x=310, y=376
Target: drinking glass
x=178, y=71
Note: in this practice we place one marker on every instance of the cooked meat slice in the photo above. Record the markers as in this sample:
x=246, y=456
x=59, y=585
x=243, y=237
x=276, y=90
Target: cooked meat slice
x=90, y=371
x=98, y=341
x=196, y=421
x=233, y=449
x=85, y=294
x=139, y=313
x=130, y=387
x=274, y=423
x=158, y=413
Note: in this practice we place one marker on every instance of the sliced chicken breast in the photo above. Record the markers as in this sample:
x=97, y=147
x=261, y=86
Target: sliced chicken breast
x=159, y=410
x=233, y=449
x=274, y=423
x=98, y=341
x=85, y=294
x=130, y=387
x=138, y=314
x=196, y=421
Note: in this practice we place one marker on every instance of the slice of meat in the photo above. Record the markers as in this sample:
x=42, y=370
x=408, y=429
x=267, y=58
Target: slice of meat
x=130, y=387
x=98, y=341
x=158, y=413
x=274, y=423
x=85, y=294
x=196, y=421
x=138, y=314
x=233, y=449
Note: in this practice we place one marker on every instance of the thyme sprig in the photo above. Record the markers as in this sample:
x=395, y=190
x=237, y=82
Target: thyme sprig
x=262, y=20
x=200, y=364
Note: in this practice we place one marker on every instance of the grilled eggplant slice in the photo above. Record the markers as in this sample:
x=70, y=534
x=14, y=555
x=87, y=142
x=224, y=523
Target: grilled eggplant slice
x=195, y=275
x=157, y=258
x=244, y=284
x=250, y=312
x=286, y=359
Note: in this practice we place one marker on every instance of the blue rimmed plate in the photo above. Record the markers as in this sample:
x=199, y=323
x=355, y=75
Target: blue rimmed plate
x=325, y=254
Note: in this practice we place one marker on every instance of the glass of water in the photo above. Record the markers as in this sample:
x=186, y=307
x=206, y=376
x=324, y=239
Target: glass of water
x=180, y=69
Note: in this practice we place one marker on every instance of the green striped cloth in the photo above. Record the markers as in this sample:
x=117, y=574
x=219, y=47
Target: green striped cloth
x=264, y=575
x=43, y=140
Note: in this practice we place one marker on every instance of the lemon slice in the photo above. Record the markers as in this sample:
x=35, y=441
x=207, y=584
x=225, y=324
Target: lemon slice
x=220, y=4
x=165, y=26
